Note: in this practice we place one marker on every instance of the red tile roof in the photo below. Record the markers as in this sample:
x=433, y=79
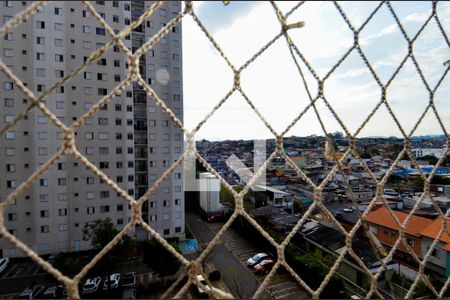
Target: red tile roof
x=432, y=232
x=383, y=217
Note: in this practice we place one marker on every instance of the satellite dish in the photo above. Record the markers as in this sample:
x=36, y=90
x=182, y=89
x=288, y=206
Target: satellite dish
x=162, y=76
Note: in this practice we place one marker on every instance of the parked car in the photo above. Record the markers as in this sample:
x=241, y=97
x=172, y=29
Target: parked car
x=202, y=280
x=215, y=218
x=129, y=294
x=3, y=264
x=91, y=285
x=128, y=280
x=252, y=261
x=32, y=292
x=53, y=292
x=113, y=282
x=264, y=266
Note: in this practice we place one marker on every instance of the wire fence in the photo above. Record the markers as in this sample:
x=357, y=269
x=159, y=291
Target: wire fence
x=192, y=268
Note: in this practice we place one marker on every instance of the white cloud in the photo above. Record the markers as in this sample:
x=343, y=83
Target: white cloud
x=273, y=83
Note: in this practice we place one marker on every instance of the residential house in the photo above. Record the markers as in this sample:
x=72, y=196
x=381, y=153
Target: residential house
x=382, y=224
x=439, y=260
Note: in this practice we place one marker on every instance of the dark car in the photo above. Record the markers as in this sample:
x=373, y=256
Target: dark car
x=264, y=266
x=32, y=292
x=215, y=218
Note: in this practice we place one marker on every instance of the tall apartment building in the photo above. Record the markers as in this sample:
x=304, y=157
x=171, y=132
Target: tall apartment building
x=130, y=139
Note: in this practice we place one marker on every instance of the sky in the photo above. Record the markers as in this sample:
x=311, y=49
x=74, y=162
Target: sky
x=274, y=85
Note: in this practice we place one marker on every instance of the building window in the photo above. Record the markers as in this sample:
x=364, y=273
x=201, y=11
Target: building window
x=43, y=198
x=44, y=213
x=103, y=136
x=10, y=151
x=86, y=29
x=59, y=27
x=58, y=11
x=88, y=135
x=45, y=229
x=10, y=168
x=8, y=52
x=88, y=91
x=103, y=121
x=59, y=43
x=162, y=12
x=166, y=231
x=90, y=210
x=177, y=229
x=9, y=86
x=63, y=227
x=104, y=209
x=86, y=14
x=87, y=45
x=10, y=135
x=100, y=31
x=153, y=218
x=62, y=212
x=59, y=74
x=9, y=102
x=11, y=184
x=12, y=217
x=177, y=202
x=40, y=72
x=42, y=151
x=40, y=24
x=59, y=57
x=101, y=62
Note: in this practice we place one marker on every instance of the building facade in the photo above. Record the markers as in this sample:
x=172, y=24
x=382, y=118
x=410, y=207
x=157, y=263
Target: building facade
x=130, y=139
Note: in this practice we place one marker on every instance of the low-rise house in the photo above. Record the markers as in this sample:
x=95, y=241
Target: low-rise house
x=439, y=261
x=274, y=197
x=382, y=224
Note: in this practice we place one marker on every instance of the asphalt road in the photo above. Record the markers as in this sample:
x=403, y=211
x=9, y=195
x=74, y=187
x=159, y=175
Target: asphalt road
x=239, y=279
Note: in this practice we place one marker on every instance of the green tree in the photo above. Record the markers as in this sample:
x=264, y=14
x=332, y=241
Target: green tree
x=100, y=233
x=159, y=259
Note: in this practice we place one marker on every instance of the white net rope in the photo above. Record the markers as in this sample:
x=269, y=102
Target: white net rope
x=192, y=268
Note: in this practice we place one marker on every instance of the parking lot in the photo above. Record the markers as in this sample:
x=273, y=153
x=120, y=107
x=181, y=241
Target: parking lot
x=21, y=269
x=282, y=285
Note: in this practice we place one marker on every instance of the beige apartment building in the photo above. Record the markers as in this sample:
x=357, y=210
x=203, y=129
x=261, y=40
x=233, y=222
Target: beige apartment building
x=131, y=139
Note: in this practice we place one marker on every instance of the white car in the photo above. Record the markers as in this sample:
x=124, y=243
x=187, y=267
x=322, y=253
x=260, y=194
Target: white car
x=202, y=280
x=113, y=282
x=91, y=285
x=3, y=264
x=253, y=261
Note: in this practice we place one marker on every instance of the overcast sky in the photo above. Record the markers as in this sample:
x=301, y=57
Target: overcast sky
x=275, y=87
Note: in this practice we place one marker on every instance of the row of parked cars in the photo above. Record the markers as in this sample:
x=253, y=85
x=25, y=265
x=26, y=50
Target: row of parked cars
x=261, y=262
x=126, y=282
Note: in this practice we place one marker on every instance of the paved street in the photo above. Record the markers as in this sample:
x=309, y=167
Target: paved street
x=282, y=285
x=240, y=280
